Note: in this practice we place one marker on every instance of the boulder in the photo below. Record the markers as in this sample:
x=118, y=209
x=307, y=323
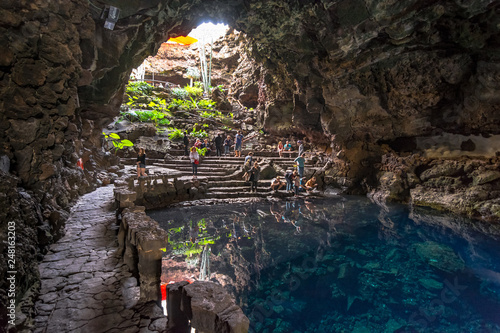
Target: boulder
x=440, y=256
x=211, y=309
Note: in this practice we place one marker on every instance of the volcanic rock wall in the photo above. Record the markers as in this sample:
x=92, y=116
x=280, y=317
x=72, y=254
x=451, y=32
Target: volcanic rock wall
x=363, y=76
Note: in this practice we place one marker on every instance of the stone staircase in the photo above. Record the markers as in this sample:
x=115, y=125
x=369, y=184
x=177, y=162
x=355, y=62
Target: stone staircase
x=223, y=174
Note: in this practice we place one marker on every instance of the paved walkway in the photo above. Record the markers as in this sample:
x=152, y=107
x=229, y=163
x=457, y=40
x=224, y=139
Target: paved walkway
x=85, y=286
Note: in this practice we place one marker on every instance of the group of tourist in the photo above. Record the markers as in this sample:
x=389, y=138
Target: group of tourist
x=252, y=169
x=293, y=183
x=287, y=148
x=218, y=142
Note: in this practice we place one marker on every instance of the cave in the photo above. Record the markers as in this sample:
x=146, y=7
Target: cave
x=401, y=96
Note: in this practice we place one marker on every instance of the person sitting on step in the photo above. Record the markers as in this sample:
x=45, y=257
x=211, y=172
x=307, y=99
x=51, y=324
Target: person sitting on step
x=288, y=148
x=277, y=184
x=198, y=143
x=206, y=144
x=280, y=149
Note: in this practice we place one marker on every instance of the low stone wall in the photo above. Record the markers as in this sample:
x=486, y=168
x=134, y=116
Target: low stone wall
x=140, y=238
x=206, y=306
x=160, y=191
x=140, y=241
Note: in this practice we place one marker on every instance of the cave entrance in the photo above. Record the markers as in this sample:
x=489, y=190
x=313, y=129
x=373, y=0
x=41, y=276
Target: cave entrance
x=182, y=60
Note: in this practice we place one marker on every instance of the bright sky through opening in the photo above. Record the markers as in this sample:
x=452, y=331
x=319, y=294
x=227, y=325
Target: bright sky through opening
x=208, y=31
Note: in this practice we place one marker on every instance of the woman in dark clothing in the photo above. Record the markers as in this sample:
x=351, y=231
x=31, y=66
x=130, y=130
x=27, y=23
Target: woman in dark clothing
x=254, y=176
x=141, y=163
x=186, y=144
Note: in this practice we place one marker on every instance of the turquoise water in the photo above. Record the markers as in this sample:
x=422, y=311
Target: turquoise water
x=344, y=264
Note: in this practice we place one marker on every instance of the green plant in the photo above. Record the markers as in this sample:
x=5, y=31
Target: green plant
x=157, y=117
x=179, y=93
x=117, y=142
x=201, y=151
x=225, y=128
x=179, y=104
x=206, y=104
x=139, y=88
x=192, y=103
x=207, y=114
x=204, y=125
x=195, y=92
x=175, y=134
x=199, y=134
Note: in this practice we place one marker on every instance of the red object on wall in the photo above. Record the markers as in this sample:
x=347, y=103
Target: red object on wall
x=163, y=288
x=80, y=163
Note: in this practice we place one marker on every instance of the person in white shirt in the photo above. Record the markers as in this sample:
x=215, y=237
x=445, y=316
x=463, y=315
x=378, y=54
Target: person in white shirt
x=195, y=160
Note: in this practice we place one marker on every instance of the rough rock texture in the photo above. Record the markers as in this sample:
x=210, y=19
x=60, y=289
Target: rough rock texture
x=349, y=74
x=208, y=307
x=140, y=241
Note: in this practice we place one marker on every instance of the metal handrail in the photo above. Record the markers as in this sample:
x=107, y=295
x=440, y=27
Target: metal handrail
x=155, y=81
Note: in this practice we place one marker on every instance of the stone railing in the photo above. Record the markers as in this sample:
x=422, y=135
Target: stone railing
x=205, y=306
x=140, y=238
x=160, y=191
x=140, y=241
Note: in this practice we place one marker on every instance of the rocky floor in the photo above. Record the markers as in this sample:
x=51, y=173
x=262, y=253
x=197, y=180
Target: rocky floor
x=85, y=287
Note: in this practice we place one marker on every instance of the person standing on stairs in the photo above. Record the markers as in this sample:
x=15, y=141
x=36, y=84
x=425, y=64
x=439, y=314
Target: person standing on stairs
x=301, y=148
x=248, y=158
x=296, y=182
x=300, y=164
x=141, y=163
x=254, y=176
x=247, y=166
x=227, y=144
x=289, y=180
x=195, y=160
x=237, y=145
x=218, y=141
x=186, y=143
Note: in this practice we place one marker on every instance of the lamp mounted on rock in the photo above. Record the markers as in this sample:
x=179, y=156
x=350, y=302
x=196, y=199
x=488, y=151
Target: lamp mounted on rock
x=111, y=15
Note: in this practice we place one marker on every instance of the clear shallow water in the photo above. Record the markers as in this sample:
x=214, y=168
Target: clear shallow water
x=344, y=265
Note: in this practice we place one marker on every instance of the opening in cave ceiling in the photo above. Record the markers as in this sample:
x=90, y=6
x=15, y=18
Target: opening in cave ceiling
x=178, y=54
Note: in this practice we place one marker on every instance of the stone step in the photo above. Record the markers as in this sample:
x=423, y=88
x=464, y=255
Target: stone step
x=236, y=189
x=236, y=161
x=209, y=175
x=203, y=161
x=236, y=195
x=201, y=168
x=237, y=183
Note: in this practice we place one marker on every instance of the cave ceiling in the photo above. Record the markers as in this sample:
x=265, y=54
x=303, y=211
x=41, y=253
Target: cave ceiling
x=355, y=70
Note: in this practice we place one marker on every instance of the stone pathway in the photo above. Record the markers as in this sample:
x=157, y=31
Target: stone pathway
x=85, y=286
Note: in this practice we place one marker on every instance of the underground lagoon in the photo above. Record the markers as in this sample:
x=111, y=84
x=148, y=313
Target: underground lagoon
x=340, y=264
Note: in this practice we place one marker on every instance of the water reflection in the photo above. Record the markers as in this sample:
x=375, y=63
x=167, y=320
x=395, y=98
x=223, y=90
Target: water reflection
x=341, y=264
